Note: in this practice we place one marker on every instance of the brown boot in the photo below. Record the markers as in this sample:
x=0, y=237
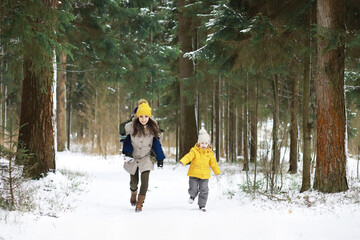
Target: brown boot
x=139, y=203
x=133, y=198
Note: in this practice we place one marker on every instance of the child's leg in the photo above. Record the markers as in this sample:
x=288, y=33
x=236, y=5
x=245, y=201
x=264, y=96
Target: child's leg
x=144, y=182
x=193, y=187
x=134, y=181
x=204, y=192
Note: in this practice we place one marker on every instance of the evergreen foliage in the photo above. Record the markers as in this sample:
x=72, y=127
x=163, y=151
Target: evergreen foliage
x=11, y=173
x=28, y=29
x=121, y=51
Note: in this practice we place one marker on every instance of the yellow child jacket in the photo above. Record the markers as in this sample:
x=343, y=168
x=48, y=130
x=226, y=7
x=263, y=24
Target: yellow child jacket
x=201, y=161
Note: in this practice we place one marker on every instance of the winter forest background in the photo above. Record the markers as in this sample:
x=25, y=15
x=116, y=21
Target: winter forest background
x=73, y=70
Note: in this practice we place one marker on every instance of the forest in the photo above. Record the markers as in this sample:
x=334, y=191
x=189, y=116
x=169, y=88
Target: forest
x=73, y=70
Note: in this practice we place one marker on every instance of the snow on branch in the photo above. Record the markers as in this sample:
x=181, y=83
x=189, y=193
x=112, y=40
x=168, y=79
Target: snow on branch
x=192, y=55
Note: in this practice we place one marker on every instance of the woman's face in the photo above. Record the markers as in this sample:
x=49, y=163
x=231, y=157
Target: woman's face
x=143, y=119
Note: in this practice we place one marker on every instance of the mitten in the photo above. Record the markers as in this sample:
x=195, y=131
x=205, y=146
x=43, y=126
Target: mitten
x=128, y=159
x=177, y=165
x=160, y=163
x=217, y=177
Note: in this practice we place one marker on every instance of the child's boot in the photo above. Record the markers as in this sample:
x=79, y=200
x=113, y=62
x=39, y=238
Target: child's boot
x=202, y=208
x=139, y=204
x=133, y=198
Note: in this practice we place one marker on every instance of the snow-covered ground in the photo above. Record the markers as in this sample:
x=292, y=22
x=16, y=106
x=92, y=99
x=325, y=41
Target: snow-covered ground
x=88, y=198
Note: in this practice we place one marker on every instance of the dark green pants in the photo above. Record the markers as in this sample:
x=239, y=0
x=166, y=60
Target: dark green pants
x=134, y=181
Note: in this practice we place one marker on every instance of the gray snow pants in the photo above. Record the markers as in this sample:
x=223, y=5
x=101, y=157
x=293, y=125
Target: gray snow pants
x=199, y=186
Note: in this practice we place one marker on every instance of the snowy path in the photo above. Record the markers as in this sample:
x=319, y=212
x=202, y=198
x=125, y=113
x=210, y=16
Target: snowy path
x=104, y=212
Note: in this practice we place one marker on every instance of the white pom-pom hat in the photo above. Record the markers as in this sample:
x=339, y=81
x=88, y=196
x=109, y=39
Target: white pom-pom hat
x=204, y=137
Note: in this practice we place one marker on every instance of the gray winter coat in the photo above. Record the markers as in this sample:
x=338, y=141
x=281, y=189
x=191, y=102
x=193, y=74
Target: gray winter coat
x=142, y=146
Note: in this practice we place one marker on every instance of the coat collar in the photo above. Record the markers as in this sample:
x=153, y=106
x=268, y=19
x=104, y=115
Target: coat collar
x=198, y=148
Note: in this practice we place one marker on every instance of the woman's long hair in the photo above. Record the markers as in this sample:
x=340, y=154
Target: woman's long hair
x=152, y=127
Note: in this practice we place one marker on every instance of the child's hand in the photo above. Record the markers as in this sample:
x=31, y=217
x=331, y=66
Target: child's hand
x=177, y=165
x=217, y=177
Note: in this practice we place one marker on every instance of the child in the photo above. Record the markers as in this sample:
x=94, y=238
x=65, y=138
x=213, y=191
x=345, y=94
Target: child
x=201, y=158
x=142, y=131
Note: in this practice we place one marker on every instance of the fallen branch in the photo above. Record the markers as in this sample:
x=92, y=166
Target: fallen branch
x=271, y=197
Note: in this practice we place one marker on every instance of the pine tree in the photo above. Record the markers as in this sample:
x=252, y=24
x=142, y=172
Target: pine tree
x=37, y=133
x=330, y=175
x=188, y=129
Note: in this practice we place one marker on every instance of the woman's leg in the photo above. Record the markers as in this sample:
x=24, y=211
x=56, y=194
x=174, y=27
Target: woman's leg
x=143, y=189
x=134, y=181
x=144, y=182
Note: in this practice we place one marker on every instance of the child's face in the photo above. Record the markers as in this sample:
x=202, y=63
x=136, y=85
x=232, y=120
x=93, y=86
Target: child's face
x=143, y=119
x=203, y=145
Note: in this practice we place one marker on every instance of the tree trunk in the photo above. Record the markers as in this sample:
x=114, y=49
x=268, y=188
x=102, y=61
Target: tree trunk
x=217, y=119
x=222, y=121
x=188, y=131
x=226, y=121
x=36, y=117
x=232, y=127
x=245, y=131
x=294, y=127
x=61, y=94
x=68, y=106
x=37, y=133
x=197, y=110
x=306, y=126
x=3, y=96
x=330, y=174
x=239, y=130
x=213, y=97
x=3, y=111
x=253, y=119
x=177, y=142
x=275, y=148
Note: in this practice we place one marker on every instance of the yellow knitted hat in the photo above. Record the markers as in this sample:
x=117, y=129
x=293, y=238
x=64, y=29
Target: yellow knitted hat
x=143, y=109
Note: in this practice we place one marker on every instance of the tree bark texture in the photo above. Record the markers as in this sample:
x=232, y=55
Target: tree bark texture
x=68, y=112
x=253, y=119
x=36, y=118
x=3, y=111
x=330, y=174
x=3, y=96
x=212, y=120
x=294, y=127
x=217, y=119
x=275, y=148
x=239, y=131
x=232, y=126
x=188, y=130
x=61, y=113
x=306, y=126
x=226, y=121
x=37, y=132
x=245, y=131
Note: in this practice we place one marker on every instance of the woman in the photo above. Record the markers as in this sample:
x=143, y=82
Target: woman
x=144, y=133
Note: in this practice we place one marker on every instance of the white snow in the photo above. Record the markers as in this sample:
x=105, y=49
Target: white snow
x=94, y=204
